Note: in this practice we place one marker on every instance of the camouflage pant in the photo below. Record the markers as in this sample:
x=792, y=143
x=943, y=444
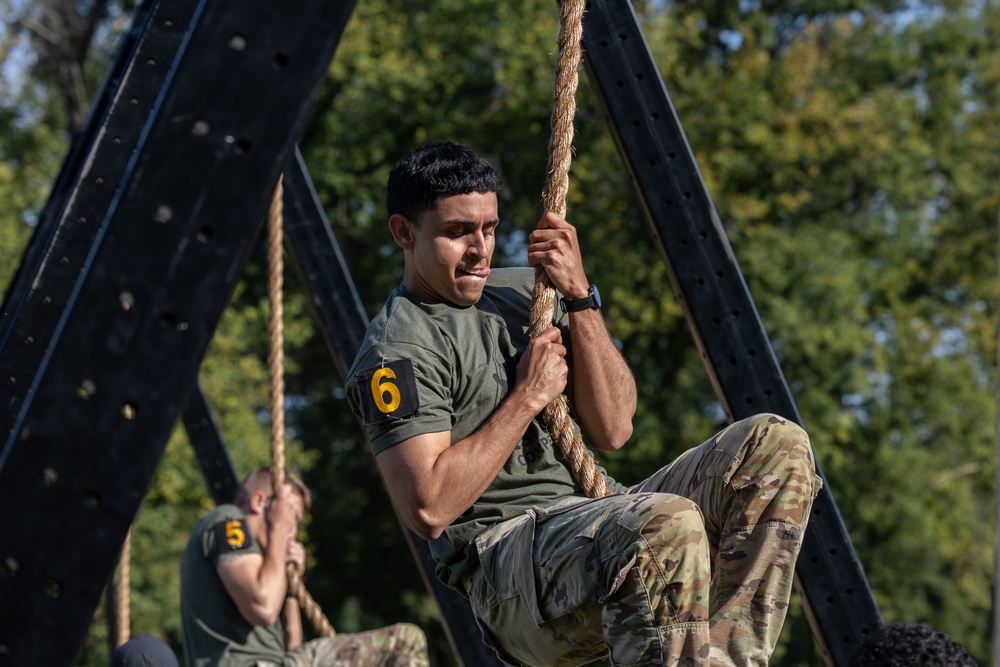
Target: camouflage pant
x=400, y=645
x=692, y=567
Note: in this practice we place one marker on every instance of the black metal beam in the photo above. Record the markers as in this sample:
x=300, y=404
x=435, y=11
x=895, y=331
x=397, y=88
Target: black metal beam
x=343, y=321
x=209, y=448
x=103, y=101
x=87, y=185
x=99, y=114
x=125, y=350
x=717, y=304
x=322, y=266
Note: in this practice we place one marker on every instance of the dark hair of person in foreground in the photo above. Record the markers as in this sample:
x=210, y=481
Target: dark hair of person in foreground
x=911, y=645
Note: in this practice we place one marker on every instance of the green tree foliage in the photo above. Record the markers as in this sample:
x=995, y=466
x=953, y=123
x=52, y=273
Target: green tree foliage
x=850, y=147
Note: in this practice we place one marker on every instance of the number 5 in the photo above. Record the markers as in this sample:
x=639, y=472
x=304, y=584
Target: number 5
x=234, y=533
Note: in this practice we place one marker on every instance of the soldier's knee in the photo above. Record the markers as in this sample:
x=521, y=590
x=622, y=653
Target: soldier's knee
x=410, y=635
x=784, y=443
x=777, y=479
x=676, y=524
x=668, y=560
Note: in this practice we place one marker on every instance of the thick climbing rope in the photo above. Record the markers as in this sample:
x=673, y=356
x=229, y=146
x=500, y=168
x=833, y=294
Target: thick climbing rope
x=543, y=297
x=276, y=367
x=123, y=621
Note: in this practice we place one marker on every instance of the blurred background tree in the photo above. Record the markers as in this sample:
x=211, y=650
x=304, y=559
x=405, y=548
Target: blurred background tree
x=851, y=149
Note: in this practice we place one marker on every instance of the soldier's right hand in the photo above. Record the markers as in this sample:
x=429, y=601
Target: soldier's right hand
x=284, y=512
x=543, y=372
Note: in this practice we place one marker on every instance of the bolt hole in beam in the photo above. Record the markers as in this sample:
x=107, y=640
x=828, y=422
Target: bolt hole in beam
x=281, y=60
x=48, y=477
x=129, y=410
x=86, y=389
x=171, y=321
x=243, y=144
x=53, y=588
x=9, y=567
x=126, y=300
x=163, y=214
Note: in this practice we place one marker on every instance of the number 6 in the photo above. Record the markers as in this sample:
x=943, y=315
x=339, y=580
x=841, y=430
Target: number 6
x=380, y=389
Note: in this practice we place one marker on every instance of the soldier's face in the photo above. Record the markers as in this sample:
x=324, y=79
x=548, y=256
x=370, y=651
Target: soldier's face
x=449, y=250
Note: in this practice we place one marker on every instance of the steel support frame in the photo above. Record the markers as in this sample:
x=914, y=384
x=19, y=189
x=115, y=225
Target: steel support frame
x=717, y=304
x=107, y=322
x=89, y=432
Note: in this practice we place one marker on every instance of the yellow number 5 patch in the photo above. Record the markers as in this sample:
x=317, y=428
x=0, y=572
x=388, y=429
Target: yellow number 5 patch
x=387, y=392
x=232, y=535
x=235, y=535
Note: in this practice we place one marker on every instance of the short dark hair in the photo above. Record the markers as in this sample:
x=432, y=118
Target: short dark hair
x=431, y=171
x=909, y=644
x=144, y=651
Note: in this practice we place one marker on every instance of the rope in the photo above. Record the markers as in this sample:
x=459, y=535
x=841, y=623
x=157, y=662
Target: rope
x=543, y=296
x=276, y=335
x=276, y=367
x=123, y=620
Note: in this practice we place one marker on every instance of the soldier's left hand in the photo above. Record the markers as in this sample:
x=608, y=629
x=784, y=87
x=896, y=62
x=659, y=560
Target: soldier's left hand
x=554, y=246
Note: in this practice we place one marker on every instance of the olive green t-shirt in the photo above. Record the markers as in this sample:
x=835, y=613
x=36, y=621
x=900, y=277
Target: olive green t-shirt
x=427, y=368
x=213, y=630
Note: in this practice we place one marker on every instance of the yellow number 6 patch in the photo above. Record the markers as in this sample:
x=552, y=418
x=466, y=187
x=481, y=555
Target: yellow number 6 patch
x=382, y=388
x=387, y=392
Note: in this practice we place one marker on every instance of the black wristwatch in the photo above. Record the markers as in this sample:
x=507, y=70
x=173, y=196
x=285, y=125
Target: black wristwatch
x=592, y=300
